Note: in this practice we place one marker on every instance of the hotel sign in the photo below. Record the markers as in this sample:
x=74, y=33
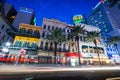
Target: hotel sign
x=78, y=19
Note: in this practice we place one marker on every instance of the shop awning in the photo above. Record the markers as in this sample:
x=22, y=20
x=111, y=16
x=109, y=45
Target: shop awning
x=69, y=54
x=73, y=55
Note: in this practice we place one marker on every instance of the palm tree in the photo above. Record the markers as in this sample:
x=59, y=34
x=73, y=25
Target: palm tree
x=114, y=40
x=94, y=36
x=70, y=42
x=56, y=36
x=75, y=32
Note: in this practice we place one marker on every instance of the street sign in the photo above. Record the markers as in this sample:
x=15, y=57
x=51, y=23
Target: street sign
x=22, y=52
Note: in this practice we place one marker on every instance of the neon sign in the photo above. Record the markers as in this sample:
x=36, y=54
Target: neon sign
x=78, y=19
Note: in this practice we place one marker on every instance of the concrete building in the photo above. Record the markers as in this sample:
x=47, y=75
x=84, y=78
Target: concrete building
x=24, y=15
x=87, y=49
x=27, y=37
x=5, y=27
x=27, y=40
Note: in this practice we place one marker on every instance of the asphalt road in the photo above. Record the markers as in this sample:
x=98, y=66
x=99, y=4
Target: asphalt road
x=42, y=72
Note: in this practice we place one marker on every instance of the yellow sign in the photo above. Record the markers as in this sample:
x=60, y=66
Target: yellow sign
x=78, y=17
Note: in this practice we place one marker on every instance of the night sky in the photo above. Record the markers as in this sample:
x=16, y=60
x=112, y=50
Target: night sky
x=58, y=9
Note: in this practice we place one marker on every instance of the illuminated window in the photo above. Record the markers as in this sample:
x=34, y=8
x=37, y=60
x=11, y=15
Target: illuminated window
x=84, y=48
x=91, y=50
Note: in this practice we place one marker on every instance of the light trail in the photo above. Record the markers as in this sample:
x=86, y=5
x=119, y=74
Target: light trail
x=55, y=69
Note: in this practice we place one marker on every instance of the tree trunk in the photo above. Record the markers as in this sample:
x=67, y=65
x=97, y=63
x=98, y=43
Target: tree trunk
x=117, y=48
x=78, y=50
x=55, y=50
x=97, y=51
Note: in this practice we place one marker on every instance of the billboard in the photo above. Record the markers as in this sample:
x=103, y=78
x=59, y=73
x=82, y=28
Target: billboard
x=78, y=19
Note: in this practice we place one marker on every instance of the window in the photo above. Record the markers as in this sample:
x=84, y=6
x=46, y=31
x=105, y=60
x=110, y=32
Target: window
x=36, y=33
x=56, y=27
x=84, y=49
x=51, y=46
x=46, y=46
x=80, y=38
x=3, y=37
x=53, y=27
x=24, y=44
x=30, y=31
x=7, y=30
x=34, y=45
x=91, y=50
x=48, y=27
x=44, y=27
x=64, y=47
x=41, y=45
x=63, y=29
x=2, y=27
x=67, y=30
x=43, y=34
x=22, y=30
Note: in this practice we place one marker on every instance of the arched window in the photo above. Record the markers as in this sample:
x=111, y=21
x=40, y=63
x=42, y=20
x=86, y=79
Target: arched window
x=22, y=30
x=16, y=44
x=44, y=27
x=36, y=33
x=30, y=31
x=43, y=34
x=34, y=45
x=84, y=48
x=24, y=44
x=64, y=47
x=46, y=46
x=51, y=46
x=41, y=45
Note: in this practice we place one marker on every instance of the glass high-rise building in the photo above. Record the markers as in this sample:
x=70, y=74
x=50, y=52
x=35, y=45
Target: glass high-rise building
x=104, y=17
x=108, y=20
x=24, y=15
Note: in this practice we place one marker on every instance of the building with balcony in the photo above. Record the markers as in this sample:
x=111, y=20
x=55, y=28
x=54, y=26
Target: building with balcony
x=87, y=49
x=27, y=38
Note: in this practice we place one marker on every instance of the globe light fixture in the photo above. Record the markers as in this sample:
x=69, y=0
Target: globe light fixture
x=8, y=44
x=5, y=50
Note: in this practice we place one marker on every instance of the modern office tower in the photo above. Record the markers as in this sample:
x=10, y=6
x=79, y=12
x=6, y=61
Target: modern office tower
x=2, y=2
x=24, y=15
x=104, y=17
x=108, y=20
x=9, y=12
x=5, y=27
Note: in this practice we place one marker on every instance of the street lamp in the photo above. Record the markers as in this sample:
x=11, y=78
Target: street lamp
x=8, y=44
x=5, y=50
